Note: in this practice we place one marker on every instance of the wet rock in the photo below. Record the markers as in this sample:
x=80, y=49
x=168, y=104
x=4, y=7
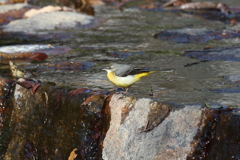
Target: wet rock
x=219, y=138
x=199, y=5
x=235, y=25
x=31, y=51
x=176, y=3
x=8, y=7
x=225, y=143
x=13, y=11
x=5, y=88
x=193, y=35
x=226, y=90
x=155, y=130
x=207, y=10
x=227, y=54
x=63, y=65
x=233, y=78
x=5, y=112
x=46, y=9
x=50, y=123
x=95, y=103
x=49, y=21
x=123, y=55
x=81, y=6
x=233, y=88
x=17, y=71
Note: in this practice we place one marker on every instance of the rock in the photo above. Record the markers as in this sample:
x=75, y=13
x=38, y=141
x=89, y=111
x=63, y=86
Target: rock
x=199, y=5
x=5, y=89
x=176, y=132
x=50, y=123
x=169, y=139
x=233, y=78
x=18, y=51
x=195, y=35
x=225, y=144
x=226, y=54
x=17, y=71
x=49, y=21
x=11, y=12
x=46, y=9
x=8, y=7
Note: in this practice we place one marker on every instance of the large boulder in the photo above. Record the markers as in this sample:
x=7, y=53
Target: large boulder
x=147, y=129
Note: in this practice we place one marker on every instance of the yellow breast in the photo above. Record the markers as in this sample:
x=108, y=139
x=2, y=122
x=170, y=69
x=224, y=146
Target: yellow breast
x=124, y=82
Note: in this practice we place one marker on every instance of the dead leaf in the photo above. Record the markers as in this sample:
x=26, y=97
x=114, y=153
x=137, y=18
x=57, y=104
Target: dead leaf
x=29, y=83
x=79, y=91
x=38, y=56
x=35, y=88
x=73, y=154
x=176, y=3
x=59, y=99
x=233, y=22
x=92, y=98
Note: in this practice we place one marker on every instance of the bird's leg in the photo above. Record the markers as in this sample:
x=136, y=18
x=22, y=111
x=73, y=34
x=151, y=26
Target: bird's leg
x=151, y=92
x=126, y=91
x=123, y=93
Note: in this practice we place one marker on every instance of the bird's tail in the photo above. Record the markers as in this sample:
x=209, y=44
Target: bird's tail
x=140, y=75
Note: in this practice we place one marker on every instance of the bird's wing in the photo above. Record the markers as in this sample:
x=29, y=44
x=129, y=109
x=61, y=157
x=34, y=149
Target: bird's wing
x=138, y=70
x=122, y=70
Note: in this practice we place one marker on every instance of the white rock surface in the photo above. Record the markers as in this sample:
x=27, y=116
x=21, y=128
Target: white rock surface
x=8, y=7
x=49, y=21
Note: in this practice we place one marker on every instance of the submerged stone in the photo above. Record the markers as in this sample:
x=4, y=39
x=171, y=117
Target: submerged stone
x=63, y=65
x=227, y=54
x=31, y=51
x=194, y=35
x=233, y=78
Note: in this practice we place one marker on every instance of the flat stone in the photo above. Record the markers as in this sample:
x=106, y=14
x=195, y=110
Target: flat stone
x=227, y=54
x=8, y=7
x=49, y=21
x=195, y=35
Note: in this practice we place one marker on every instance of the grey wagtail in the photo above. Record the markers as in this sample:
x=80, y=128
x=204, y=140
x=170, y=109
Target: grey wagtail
x=124, y=76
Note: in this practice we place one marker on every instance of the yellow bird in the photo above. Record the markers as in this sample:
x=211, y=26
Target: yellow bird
x=125, y=75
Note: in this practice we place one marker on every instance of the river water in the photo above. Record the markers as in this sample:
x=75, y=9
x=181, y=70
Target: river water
x=127, y=36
